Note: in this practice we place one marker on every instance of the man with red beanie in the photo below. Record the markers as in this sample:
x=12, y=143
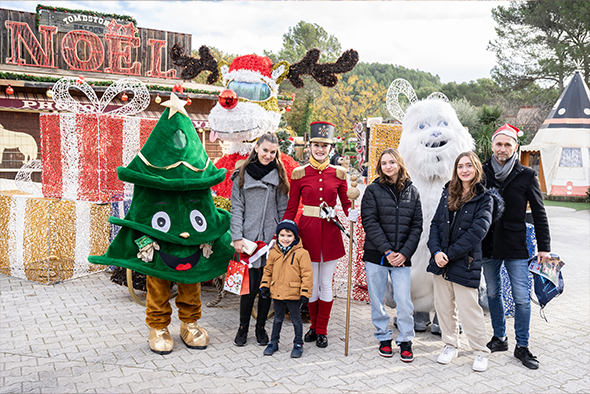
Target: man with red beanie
x=505, y=242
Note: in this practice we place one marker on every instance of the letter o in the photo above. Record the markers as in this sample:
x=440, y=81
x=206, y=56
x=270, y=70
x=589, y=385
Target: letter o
x=95, y=52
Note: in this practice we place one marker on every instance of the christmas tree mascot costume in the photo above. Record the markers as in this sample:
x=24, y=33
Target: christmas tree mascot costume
x=172, y=232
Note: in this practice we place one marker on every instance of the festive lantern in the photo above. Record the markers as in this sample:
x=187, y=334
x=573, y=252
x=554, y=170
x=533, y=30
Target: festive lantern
x=124, y=97
x=9, y=90
x=158, y=99
x=287, y=108
x=188, y=101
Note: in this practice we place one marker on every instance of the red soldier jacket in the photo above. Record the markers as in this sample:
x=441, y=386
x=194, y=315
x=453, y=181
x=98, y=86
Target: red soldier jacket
x=320, y=237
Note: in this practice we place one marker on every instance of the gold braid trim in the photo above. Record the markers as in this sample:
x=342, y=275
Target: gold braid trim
x=298, y=173
x=171, y=166
x=340, y=172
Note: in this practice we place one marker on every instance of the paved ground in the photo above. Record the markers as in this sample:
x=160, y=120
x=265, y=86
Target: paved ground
x=87, y=336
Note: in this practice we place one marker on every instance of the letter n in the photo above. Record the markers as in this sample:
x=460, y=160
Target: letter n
x=21, y=32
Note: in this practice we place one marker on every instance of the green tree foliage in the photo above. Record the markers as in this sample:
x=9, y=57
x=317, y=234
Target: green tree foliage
x=306, y=117
x=349, y=102
x=301, y=38
x=489, y=119
x=541, y=41
x=384, y=74
x=466, y=113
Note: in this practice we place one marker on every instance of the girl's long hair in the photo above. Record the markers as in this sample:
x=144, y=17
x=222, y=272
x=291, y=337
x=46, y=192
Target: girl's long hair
x=402, y=175
x=253, y=156
x=456, y=197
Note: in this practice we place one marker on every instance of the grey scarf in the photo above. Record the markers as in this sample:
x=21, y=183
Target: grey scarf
x=501, y=172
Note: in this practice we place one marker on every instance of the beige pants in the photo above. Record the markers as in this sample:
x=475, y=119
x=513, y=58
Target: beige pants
x=158, y=310
x=450, y=297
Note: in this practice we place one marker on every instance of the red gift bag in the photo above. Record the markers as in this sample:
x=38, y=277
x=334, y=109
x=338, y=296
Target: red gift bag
x=237, y=278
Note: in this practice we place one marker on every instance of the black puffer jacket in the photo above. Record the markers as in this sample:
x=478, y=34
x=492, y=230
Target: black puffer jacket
x=463, y=247
x=389, y=223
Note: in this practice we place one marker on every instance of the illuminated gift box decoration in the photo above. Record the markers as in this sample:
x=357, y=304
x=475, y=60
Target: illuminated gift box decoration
x=47, y=240
x=81, y=150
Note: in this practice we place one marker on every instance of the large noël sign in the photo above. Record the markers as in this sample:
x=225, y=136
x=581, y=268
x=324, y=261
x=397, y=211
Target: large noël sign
x=82, y=42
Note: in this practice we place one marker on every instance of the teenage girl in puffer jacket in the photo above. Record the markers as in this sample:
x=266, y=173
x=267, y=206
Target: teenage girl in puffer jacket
x=392, y=219
x=461, y=221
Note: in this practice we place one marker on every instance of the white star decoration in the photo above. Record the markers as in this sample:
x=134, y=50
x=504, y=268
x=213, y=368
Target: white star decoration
x=176, y=105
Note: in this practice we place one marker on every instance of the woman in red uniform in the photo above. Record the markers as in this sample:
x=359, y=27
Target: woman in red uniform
x=318, y=185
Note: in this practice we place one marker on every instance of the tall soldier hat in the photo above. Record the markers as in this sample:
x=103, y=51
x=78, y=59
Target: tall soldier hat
x=321, y=132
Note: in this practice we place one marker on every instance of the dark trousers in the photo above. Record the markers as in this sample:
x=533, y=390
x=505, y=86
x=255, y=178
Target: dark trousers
x=247, y=301
x=293, y=306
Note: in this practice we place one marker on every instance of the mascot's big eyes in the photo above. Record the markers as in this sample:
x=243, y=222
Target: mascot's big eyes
x=423, y=126
x=443, y=122
x=161, y=221
x=198, y=221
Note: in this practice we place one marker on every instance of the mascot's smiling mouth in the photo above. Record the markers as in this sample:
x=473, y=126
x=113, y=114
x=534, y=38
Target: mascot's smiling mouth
x=436, y=144
x=181, y=263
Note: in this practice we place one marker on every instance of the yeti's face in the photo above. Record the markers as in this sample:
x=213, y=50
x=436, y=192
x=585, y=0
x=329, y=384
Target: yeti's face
x=432, y=138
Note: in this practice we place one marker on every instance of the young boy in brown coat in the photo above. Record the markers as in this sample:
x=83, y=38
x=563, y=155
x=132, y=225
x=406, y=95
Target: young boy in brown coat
x=288, y=280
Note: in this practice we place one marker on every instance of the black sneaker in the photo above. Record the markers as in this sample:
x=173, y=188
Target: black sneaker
x=527, y=358
x=310, y=336
x=405, y=352
x=385, y=348
x=261, y=337
x=241, y=336
x=498, y=345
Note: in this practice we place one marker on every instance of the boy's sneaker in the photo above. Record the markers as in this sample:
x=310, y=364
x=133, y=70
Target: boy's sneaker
x=497, y=344
x=297, y=351
x=405, y=352
x=480, y=364
x=527, y=358
x=385, y=348
x=271, y=349
x=447, y=355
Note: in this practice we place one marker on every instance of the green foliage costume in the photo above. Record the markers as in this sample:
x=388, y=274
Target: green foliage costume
x=172, y=230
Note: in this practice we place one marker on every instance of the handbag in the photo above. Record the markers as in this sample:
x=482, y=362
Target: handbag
x=547, y=280
x=237, y=278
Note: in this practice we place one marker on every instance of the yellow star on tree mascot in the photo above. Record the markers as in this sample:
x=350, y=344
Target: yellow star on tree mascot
x=172, y=232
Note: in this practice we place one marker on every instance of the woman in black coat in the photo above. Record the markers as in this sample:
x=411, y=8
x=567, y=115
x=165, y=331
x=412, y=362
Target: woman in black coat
x=461, y=221
x=392, y=218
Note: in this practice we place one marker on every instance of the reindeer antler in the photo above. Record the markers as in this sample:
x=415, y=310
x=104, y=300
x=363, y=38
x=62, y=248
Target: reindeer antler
x=324, y=74
x=192, y=67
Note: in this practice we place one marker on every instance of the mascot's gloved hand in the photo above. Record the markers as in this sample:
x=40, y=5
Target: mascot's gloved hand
x=303, y=300
x=353, y=215
x=264, y=292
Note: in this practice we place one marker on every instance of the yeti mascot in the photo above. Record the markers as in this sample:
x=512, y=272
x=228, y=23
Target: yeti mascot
x=431, y=140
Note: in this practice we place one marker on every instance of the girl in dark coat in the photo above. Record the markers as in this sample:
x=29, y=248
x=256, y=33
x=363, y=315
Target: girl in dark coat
x=392, y=219
x=461, y=221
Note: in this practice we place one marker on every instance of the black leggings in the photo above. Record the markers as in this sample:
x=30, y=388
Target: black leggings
x=247, y=300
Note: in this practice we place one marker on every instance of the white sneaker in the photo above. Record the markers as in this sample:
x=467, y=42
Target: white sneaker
x=480, y=364
x=447, y=355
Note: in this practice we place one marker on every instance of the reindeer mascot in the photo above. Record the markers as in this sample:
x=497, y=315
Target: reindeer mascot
x=248, y=108
x=431, y=139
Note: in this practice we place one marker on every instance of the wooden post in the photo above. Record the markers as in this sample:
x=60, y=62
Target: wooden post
x=353, y=193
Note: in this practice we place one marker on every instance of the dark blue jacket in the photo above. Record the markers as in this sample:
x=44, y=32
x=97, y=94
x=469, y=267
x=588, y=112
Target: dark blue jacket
x=389, y=222
x=463, y=246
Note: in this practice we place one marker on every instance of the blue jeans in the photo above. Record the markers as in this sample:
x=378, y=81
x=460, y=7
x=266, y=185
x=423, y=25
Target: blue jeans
x=377, y=283
x=518, y=273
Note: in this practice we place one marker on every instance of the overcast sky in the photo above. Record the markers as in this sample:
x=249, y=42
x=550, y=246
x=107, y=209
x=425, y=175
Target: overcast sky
x=445, y=38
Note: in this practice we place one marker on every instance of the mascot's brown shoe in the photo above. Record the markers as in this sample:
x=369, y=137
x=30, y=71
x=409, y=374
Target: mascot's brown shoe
x=161, y=341
x=193, y=336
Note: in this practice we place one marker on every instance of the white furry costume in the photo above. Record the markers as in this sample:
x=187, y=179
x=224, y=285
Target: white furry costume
x=431, y=140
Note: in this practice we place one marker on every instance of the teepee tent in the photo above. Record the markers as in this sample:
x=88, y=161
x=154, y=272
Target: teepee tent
x=562, y=144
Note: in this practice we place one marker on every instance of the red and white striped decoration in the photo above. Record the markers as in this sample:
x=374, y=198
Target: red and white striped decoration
x=81, y=152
